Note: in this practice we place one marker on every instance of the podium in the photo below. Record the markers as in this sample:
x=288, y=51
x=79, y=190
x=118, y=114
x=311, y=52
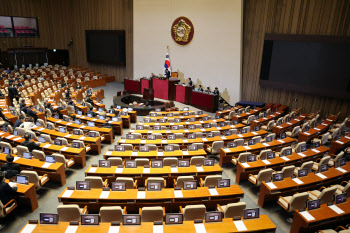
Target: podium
x=145, y=83
x=204, y=101
x=183, y=94
x=148, y=94
x=164, y=88
x=132, y=86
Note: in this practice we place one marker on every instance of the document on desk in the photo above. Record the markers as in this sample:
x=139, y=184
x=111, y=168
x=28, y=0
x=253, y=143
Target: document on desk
x=109, y=152
x=178, y=193
x=47, y=146
x=227, y=150
x=64, y=148
x=200, y=228
x=285, y=158
x=314, y=150
x=12, y=184
x=213, y=192
x=113, y=229
x=16, y=158
x=347, y=137
x=160, y=153
x=240, y=225
x=281, y=141
x=82, y=138
x=223, y=137
x=104, y=194
x=306, y=133
x=289, y=123
x=245, y=165
x=184, y=140
x=205, y=139
x=321, y=176
x=150, y=131
x=279, y=127
x=265, y=144
x=173, y=169
x=247, y=147
x=200, y=169
x=134, y=153
x=339, y=142
x=46, y=165
x=92, y=169
x=141, y=195
x=157, y=228
x=119, y=170
x=29, y=228
x=164, y=141
x=271, y=185
x=71, y=229
x=317, y=129
x=301, y=154
x=341, y=169
x=146, y=170
x=67, y=193
x=266, y=161
x=168, y=131
x=240, y=135
x=122, y=140
x=69, y=123
x=18, y=138
x=185, y=153
x=307, y=216
x=255, y=133
x=68, y=135
x=296, y=180
x=336, y=209
x=9, y=137
x=143, y=141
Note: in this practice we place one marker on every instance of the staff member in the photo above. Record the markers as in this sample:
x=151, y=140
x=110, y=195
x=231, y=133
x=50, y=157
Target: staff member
x=167, y=73
x=190, y=83
x=200, y=88
x=6, y=192
x=208, y=90
x=78, y=86
x=31, y=145
x=11, y=168
x=216, y=91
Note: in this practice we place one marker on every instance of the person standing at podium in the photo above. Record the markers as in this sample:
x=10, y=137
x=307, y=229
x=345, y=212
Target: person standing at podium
x=167, y=73
x=190, y=83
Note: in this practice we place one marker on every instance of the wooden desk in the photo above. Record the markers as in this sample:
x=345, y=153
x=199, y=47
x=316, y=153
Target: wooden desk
x=55, y=172
x=12, y=118
x=165, y=198
x=314, y=132
x=183, y=118
x=289, y=125
x=27, y=195
x=227, y=111
x=265, y=120
x=288, y=187
x=138, y=174
x=227, y=154
x=340, y=144
x=245, y=115
x=185, y=124
x=117, y=125
x=262, y=224
x=277, y=163
x=325, y=218
x=183, y=94
x=154, y=154
x=204, y=101
x=164, y=88
x=93, y=143
x=106, y=132
x=133, y=115
x=132, y=86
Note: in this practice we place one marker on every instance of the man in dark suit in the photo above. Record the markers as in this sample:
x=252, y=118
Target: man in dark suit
x=6, y=192
x=18, y=122
x=208, y=90
x=11, y=168
x=89, y=91
x=22, y=105
x=167, y=73
x=190, y=83
x=200, y=88
x=65, y=84
x=78, y=86
x=32, y=113
x=13, y=92
x=91, y=111
x=216, y=91
x=31, y=145
x=67, y=94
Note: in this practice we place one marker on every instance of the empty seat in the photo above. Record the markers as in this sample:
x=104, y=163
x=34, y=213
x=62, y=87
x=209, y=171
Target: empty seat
x=38, y=154
x=263, y=154
x=287, y=171
x=336, y=160
x=195, y=160
x=323, y=139
x=127, y=146
x=215, y=147
x=157, y=179
x=7, y=208
x=210, y=180
x=152, y=214
x=324, y=194
x=232, y=210
x=115, y=161
x=239, y=142
x=96, y=182
x=130, y=184
x=306, y=165
x=192, y=212
x=242, y=157
x=170, y=161
x=343, y=189
x=142, y=161
x=299, y=146
x=295, y=202
x=70, y=212
x=21, y=149
x=324, y=160
x=263, y=175
x=179, y=182
x=34, y=178
x=61, y=159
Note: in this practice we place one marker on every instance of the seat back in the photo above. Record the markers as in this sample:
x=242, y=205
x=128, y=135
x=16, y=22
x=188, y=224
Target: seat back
x=21, y=131
x=257, y=139
x=197, y=160
x=47, y=138
x=239, y=142
x=288, y=171
x=160, y=179
x=324, y=160
x=38, y=154
x=211, y=180
x=200, y=145
x=59, y=158
x=170, y=161
x=216, y=146
x=32, y=177
x=234, y=209
x=95, y=181
x=263, y=154
x=142, y=161
x=115, y=161
x=299, y=146
x=192, y=212
x=284, y=149
x=69, y=213
x=264, y=175
x=180, y=180
x=21, y=149
x=295, y=131
x=242, y=157
x=270, y=125
x=127, y=146
x=308, y=165
x=128, y=180
x=111, y=214
x=338, y=158
x=152, y=214
x=298, y=201
x=327, y=195
x=324, y=139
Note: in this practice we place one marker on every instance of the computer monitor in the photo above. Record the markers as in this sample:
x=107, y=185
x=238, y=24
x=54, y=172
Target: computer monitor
x=92, y=134
x=131, y=219
x=57, y=142
x=6, y=150
x=283, y=136
x=22, y=179
x=15, y=132
x=302, y=172
x=324, y=167
x=76, y=131
x=83, y=104
x=277, y=177
x=186, y=108
x=342, y=162
x=62, y=129
x=243, y=130
x=189, y=184
x=115, y=119
x=38, y=124
x=151, y=137
x=228, y=133
x=50, y=159
x=90, y=219
x=111, y=111
x=270, y=155
x=154, y=185
x=77, y=121
x=303, y=148
x=251, y=142
x=186, y=114
x=101, y=117
x=171, y=137
x=144, y=149
x=209, y=162
x=268, y=138
x=193, y=147
x=89, y=115
x=207, y=125
x=340, y=198
x=257, y=128
x=130, y=164
x=175, y=127
x=123, y=113
x=288, y=151
x=65, y=118
x=83, y=185
x=251, y=213
x=157, y=110
x=170, y=114
x=80, y=112
x=217, y=117
x=91, y=124
x=200, y=113
x=48, y=218
x=100, y=109
x=27, y=155
x=191, y=136
x=160, y=121
x=56, y=116
x=118, y=186
x=119, y=107
x=156, y=163
x=215, y=216
x=222, y=124
x=314, y=204
x=177, y=120
x=231, y=144
x=49, y=126
x=205, y=118
x=157, y=127
x=251, y=158
x=173, y=219
x=130, y=136
x=191, y=127
x=41, y=139
x=130, y=109
x=153, y=114
x=317, y=144
x=104, y=163
x=140, y=127
x=169, y=148
x=183, y=163
x=210, y=135
x=119, y=148
x=223, y=183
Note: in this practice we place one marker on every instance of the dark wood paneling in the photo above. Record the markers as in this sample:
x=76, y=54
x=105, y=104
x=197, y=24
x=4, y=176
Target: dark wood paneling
x=304, y=17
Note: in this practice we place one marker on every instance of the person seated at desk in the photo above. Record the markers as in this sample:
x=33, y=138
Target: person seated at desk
x=200, y=88
x=11, y=169
x=208, y=90
x=78, y=86
x=32, y=113
x=67, y=94
x=216, y=91
x=65, y=84
x=90, y=101
x=89, y=91
x=19, y=121
x=152, y=76
x=13, y=92
x=28, y=124
x=6, y=192
x=91, y=111
x=190, y=83
x=70, y=101
x=31, y=145
x=167, y=73
x=8, y=70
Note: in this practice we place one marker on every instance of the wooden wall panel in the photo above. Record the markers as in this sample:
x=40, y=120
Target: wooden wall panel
x=305, y=17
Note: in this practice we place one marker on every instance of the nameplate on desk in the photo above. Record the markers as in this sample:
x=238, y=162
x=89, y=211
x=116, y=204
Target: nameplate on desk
x=339, y=142
x=134, y=153
x=47, y=146
x=165, y=117
x=141, y=194
x=240, y=135
x=200, y=169
x=202, y=129
x=114, y=229
x=174, y=169
x=71, y=229
x=64, y=148
x=227, y=150
x=314, y=150
x=67, y=193
x=240, y=225
x=298, y=181
x=109, y=152
x=265, y=144
x=29, y=228
x=150, y=131
x=164, y=141
x=104, y=194
x=16, y=158
x=336, y=209
x=140, y=123
x=46, y=165
x=160, y=153
x=317, y=129
x=158, y=228
x=245, y=165
x=18, y=138
x=247, y=147
x=255, y=133
x=1, y=133
x=285, y=158
x=271, y=185
x=146, y=170
x=200, y=228
x=302, y=155
x=119, y=170
x=67, y=136
x=321, y=176
x=122, y=140
x=281, y=141
x=307, y=216
x=213, y=192
x=93, y=169
x=178, y=193
x=9, y=137
x=341, y=170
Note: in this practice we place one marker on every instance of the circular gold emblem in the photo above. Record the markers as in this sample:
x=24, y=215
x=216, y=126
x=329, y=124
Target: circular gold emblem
x=182, y=31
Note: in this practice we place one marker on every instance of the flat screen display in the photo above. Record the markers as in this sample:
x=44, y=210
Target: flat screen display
x=48, y=218
x=213, y=216
x=173, y=218
x=89, y=219
x=131, y=219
